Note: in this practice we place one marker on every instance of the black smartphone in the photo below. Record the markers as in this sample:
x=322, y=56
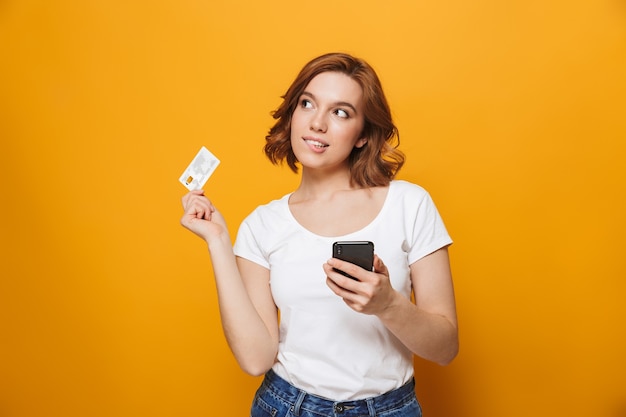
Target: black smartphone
x=360, y=253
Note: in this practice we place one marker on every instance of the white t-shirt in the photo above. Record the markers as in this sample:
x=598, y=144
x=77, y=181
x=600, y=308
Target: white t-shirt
x=325, y=347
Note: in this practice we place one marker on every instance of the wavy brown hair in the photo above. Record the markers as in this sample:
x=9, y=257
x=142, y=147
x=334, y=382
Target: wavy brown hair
x=374, y=164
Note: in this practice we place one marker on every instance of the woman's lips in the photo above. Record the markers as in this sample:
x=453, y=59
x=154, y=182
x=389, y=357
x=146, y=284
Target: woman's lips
x=315, y=144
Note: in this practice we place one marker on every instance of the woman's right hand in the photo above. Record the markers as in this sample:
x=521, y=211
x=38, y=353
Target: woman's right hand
x=201, y=217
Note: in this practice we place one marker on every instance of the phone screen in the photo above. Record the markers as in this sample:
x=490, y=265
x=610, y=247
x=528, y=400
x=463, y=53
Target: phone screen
x=360, y=253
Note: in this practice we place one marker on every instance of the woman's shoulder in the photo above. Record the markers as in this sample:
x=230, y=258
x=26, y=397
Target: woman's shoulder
x=409, y=195
x=267, y=222
x=403, y=188
x=275, y=204
x=273, y=208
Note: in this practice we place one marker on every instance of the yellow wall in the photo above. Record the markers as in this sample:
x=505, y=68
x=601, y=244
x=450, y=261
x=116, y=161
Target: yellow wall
x=512, y=114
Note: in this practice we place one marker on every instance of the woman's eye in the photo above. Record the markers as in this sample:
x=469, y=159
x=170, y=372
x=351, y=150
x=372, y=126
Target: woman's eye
x=342, y=113
x=306, y=104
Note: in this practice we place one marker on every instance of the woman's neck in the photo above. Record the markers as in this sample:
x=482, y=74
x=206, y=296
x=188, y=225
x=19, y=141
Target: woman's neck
x=316, y=186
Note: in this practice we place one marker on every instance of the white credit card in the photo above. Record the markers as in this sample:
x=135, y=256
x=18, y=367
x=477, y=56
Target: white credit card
x=200, y=169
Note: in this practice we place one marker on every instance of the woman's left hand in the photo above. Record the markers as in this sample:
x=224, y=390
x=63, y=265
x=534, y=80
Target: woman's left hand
x=370, y=293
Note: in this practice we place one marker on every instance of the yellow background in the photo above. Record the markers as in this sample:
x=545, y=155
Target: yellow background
x=512, y=114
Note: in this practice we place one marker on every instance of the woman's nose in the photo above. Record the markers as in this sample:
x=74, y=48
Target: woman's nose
x=318, y=123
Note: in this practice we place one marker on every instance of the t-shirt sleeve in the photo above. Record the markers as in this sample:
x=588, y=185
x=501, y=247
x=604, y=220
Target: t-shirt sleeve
x=428, y=232
x=247, y=246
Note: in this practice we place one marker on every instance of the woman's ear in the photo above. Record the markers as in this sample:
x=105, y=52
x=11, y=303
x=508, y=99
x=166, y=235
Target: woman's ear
x=360, y=143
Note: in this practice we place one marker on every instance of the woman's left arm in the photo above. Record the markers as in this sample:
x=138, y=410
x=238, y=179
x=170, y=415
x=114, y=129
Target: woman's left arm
x=428, y=327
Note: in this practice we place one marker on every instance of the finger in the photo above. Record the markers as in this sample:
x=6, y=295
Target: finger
x=347, y=267
x=190, y=195
x=193, y=200
x=341, y=281
x=199, y=209
x=338, y=289
x=208, y=214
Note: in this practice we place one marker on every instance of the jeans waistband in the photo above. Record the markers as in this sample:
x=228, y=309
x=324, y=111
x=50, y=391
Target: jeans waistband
x=366, y=407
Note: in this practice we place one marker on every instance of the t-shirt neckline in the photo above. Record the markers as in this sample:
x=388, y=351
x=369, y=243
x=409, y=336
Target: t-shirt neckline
x=344, y=236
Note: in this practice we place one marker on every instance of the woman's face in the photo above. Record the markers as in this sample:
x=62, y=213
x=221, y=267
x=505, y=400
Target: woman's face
x=328, y=121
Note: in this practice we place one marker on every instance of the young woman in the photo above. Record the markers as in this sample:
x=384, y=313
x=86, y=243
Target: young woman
x=342, y=346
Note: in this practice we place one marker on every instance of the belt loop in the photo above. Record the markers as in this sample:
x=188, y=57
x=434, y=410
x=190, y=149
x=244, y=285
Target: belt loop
x=370, y=407
x=298, y=404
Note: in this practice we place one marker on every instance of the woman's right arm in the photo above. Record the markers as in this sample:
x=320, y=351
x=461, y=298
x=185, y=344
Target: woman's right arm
x=248, y=313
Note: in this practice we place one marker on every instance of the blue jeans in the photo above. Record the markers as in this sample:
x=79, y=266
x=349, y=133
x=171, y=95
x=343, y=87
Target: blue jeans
x=278, y=398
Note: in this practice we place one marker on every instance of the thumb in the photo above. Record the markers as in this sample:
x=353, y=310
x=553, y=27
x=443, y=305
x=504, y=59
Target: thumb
x=379, y=266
